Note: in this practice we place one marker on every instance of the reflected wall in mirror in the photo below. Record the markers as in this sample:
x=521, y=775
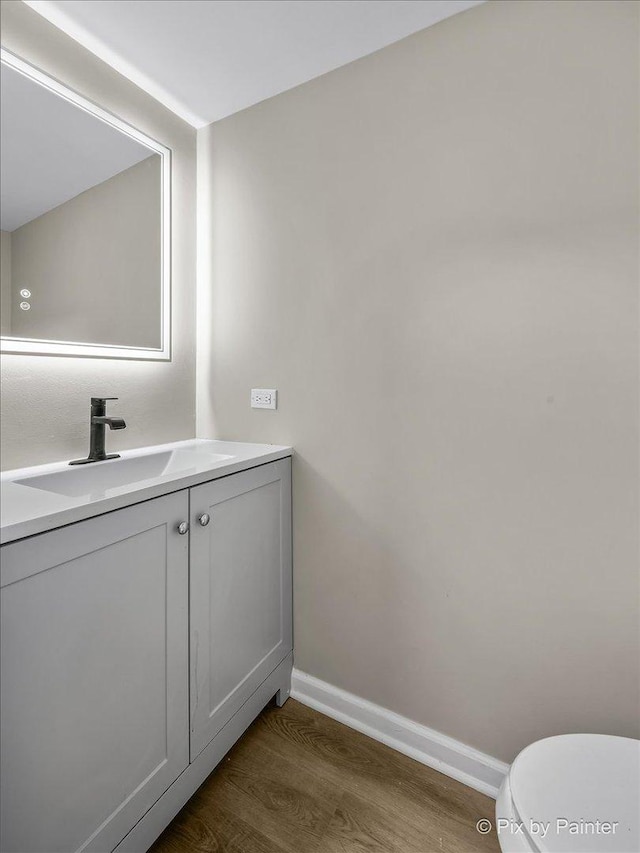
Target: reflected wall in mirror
x=84, y=225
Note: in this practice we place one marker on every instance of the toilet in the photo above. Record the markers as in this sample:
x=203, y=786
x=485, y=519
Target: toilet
x=577, y=793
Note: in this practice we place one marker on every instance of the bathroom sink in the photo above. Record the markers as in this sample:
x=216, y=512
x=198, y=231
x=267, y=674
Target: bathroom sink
x=101, y=477
x=37, y=499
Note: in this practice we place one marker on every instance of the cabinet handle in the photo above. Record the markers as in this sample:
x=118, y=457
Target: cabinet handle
x=183, y=528
x=204, y=519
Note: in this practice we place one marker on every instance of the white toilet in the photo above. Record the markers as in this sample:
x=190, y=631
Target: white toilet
x=572, y=794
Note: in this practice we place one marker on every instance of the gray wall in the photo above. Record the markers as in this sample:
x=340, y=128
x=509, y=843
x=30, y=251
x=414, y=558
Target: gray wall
x=433, y=254
x=45, y=400
x=5, y=283
x=93, y=264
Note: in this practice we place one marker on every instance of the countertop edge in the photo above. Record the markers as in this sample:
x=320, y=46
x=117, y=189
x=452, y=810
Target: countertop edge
x=70, y=515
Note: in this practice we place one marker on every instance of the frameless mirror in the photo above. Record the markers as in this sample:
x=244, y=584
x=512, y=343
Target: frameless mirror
x=84, y=206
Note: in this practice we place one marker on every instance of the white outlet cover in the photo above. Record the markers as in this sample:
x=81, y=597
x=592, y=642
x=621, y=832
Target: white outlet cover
x=264, y=398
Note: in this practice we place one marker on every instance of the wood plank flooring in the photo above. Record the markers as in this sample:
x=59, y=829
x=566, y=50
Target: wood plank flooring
x=299, y=782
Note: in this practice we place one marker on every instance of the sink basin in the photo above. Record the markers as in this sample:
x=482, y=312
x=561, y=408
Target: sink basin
x=37, y=499
x=102, y=477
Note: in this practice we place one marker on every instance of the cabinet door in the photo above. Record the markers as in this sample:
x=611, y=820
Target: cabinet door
x=94, y=663
x=240, y=592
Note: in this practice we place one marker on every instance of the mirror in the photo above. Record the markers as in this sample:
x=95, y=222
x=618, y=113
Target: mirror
x=84, y=208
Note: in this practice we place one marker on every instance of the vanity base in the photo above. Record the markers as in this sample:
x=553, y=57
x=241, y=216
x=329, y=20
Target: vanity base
x=149, y=827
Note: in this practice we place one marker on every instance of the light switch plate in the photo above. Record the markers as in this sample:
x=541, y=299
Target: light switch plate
x=264, y=398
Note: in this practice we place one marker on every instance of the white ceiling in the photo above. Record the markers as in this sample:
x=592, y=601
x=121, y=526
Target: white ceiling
x=52, y=150
x=207, y=59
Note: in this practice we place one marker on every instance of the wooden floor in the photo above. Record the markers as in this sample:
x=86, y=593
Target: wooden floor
x=299, y=782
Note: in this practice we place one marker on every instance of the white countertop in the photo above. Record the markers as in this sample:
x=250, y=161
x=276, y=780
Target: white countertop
x=26, y=510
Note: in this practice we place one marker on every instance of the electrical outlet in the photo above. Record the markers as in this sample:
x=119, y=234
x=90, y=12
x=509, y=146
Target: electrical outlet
x=264, y=398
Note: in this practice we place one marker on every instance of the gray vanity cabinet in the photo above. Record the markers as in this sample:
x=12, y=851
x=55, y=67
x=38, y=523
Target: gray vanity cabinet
x=240, y=591
x=94, y=704
x=128, y=642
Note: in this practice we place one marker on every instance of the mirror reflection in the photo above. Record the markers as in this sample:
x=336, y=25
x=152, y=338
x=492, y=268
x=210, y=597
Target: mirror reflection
x=81, y=223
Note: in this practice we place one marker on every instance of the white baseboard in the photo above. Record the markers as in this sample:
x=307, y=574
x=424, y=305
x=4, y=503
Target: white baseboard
x=449, y=756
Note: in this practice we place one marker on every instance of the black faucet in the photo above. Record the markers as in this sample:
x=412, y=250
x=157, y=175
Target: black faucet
x=99, y=421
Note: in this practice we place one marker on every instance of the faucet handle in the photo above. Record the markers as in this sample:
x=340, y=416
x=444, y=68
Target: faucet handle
x=101, y=399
